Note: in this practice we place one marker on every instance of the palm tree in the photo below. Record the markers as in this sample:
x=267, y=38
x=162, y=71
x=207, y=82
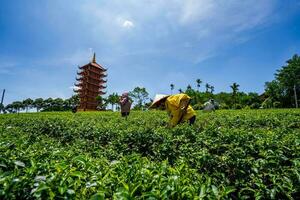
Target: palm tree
x=113, y=99
x=207, y=86
x=198, y=81
x=189, y=87
x=180, y=90
x=212, y=89
x=235, y=89
x=99, y=102
x=110, y=101
x=172, y=88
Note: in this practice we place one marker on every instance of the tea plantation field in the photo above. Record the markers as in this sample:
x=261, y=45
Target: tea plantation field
x=242, y=154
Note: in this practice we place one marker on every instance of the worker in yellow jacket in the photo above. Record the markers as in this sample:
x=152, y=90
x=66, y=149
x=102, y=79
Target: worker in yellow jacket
x=178, y=107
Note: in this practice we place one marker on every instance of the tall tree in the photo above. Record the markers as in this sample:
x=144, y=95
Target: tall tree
x=172, y=88
x=289, y=77
x=102, y=102
x=110, y=101
x=9, y=108
x=58, y=104
x=212, y=89
x=74, y=100
x=38, y=104
x=48, y=103
x=113, y=99
x=139, y=95
x=198, y=81
x=17, y=106
x=28, y=103
x=274, y=91
x=189, y=87
x=235, y=89
x=207, y=86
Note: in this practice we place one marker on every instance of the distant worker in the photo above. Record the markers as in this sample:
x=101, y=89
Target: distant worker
x=178, y=108
x=125, y=104
x=210, y=105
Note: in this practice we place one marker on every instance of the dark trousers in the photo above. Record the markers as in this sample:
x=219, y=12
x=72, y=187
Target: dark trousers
x=124, y=114
x=192, y=120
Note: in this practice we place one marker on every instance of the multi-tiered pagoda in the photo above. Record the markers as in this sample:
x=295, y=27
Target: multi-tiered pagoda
x=90, y=84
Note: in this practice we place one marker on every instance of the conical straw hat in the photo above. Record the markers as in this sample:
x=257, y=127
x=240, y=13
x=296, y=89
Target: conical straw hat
x=157, y=99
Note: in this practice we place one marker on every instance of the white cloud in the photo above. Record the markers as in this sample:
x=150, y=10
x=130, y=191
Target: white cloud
x=128, y=24
x=230, y=15
x=206, y=24
x=196, y=10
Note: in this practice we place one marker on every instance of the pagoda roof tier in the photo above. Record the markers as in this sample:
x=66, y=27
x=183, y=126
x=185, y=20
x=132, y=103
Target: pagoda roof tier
x=84, y=73
x=89, y=89
x=97, y=85
x=78, y=84
x=101, y=73
x=77, y=90
x=81, y=73
x=103, y=87
x=80, y=90
x=94, y=77
x=84, y=78
x=94, y=64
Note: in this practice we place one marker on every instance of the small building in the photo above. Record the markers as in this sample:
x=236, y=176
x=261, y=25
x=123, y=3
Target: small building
x=90, y=84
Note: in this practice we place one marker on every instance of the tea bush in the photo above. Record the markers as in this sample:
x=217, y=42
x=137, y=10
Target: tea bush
x=241, y=154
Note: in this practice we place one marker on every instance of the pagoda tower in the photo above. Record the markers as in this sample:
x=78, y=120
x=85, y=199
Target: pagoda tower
x=90, y=84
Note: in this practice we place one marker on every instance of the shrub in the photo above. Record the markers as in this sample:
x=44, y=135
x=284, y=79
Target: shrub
x=224, y=106
x=255, y=106
x=276, y=104
x=237, y=106
x=198, y=106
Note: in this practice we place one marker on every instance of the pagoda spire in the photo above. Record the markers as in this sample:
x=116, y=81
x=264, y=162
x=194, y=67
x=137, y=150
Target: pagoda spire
x=94, y=58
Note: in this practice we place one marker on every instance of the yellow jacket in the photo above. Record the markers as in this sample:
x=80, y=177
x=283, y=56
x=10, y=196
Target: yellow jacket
x=175, y=106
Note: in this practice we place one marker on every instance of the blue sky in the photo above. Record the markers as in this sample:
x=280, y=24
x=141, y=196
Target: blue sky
x=146, y=43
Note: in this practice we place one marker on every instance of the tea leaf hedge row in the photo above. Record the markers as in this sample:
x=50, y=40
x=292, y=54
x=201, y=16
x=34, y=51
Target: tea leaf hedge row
x=99, y=155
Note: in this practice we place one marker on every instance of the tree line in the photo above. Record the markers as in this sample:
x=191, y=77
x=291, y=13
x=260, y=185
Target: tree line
x=41, y=104
x=139, y=95
x=279, y=93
